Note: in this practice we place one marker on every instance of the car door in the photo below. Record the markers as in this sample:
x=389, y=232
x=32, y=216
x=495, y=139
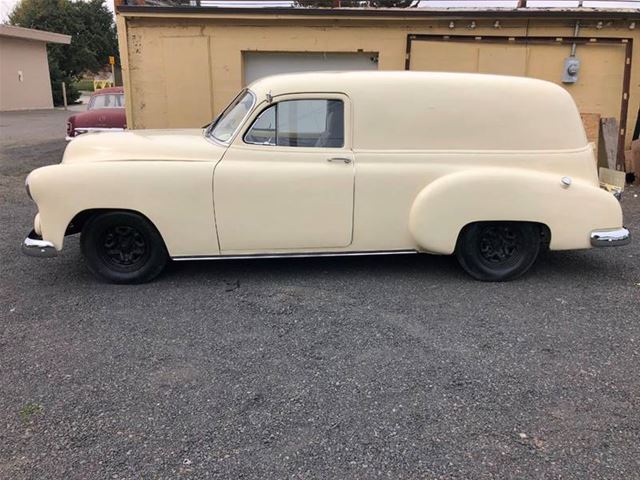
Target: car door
x=286, y=183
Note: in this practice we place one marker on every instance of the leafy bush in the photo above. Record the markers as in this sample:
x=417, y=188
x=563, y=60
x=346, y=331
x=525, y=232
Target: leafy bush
x=85, y=84
x=57, y=77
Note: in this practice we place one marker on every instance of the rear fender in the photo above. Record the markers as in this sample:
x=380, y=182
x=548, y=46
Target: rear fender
x=445, y=206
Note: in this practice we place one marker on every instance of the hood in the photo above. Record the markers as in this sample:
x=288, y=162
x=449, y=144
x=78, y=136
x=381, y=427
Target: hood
x=101, y=117
x=188, y=145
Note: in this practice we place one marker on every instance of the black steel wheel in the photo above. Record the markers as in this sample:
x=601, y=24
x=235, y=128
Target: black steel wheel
x=498, y=251
x=123, y=247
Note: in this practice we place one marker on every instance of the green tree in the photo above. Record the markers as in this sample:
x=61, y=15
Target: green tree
x=93, y=37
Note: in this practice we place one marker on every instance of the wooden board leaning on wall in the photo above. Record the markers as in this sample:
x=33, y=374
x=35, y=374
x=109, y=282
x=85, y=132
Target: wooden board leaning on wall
x=591, y=123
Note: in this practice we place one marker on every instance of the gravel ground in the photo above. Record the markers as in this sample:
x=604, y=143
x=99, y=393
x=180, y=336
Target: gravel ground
x=391, y=367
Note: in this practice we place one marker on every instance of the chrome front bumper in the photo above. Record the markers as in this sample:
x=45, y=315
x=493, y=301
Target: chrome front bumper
x=34, y=246
x=610, y=238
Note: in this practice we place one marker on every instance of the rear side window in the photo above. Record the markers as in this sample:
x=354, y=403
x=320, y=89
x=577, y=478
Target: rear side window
x=107, y=100
x=300, y=123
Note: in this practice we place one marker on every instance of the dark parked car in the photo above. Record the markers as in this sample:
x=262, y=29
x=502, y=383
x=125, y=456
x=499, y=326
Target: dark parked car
x=104, y=113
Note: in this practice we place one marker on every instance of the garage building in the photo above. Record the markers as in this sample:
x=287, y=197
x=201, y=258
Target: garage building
x=24, y=69
x=182, y=65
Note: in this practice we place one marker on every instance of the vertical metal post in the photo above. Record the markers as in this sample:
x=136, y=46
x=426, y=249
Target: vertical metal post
x=64, y=94
x=624, y=109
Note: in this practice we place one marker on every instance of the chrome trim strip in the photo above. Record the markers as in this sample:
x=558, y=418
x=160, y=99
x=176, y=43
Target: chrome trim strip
x=82, y=130
x=293, y=255
x=34, y=246
x=610, y=238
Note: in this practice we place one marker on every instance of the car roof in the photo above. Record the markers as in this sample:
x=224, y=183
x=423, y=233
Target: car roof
x=443, y=111
x=372, y=82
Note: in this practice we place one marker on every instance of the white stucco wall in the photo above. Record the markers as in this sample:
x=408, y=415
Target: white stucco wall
x=24, y=75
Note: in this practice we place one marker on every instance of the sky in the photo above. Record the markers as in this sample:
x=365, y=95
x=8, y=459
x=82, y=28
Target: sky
x=7, y=5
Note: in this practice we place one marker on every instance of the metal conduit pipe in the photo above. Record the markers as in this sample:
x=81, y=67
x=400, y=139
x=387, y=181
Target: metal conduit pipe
x=576, y=31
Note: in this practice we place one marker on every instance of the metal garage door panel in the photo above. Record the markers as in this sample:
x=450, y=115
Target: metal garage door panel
x=444, y=57
x=599, y=86
x=263, y=64
x=188, y=81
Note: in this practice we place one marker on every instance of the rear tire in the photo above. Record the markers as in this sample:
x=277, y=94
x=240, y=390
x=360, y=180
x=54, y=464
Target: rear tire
x=123, y=247
x=498, y=251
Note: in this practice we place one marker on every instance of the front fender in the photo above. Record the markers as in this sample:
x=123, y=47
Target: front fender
x=176, y=197
x=445, y=206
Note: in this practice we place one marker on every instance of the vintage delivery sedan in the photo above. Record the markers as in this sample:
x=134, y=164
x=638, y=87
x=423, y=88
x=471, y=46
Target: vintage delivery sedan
x=490, y=168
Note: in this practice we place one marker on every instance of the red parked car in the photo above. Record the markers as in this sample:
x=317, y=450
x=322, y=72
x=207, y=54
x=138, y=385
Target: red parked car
x=104, y=113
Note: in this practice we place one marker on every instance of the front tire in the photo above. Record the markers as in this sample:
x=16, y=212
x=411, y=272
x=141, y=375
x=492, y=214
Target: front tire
x=123, y=247
x=498, y=251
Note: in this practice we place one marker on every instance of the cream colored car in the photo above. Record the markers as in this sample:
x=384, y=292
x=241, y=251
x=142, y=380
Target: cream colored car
x=490, y=168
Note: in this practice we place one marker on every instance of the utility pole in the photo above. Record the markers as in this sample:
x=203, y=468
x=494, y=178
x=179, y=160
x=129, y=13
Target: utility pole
x=112, y=62
x=64, y=94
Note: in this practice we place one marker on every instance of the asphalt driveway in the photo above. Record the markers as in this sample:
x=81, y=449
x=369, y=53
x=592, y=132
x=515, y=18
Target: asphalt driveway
x=391, y=367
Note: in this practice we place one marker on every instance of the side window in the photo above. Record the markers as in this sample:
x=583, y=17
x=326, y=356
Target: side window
x=263, y=130
x=300, y=123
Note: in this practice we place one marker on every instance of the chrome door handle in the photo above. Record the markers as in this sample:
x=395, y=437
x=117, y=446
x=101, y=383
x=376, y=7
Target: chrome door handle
x=339, y=159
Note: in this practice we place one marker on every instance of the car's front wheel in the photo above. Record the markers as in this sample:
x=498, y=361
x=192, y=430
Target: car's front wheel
x=498, y=251
x=123, y=247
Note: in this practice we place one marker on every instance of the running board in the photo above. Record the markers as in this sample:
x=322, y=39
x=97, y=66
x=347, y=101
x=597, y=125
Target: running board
x=292, y=255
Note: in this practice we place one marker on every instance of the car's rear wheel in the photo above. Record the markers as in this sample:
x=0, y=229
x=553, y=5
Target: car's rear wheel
x=498, y=251
x=123, y=247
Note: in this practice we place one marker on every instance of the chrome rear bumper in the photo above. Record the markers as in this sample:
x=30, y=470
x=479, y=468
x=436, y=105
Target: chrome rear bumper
x=34, y=246
x=610, y=238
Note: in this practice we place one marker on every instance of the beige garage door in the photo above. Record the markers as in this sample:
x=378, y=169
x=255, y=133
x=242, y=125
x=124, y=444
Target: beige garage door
x=598, y=90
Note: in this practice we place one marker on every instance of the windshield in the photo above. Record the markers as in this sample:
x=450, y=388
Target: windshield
x=228, y=122
x=107, y=100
